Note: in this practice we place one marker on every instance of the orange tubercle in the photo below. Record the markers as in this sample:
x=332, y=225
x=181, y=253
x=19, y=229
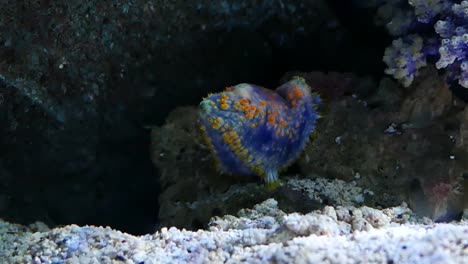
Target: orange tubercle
x=224, y=106
x=298, y=94
x=271, y=119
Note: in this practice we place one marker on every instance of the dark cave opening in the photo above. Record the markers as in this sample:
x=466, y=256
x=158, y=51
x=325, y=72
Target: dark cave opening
x=356, y=48
x=118, y=186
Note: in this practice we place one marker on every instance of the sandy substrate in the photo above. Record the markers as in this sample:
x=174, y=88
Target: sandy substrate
x=264, y=234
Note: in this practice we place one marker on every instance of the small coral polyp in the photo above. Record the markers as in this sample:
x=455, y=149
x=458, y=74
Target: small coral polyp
x=252, y=130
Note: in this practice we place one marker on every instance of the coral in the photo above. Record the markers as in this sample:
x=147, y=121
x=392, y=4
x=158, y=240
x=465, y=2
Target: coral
x=253, y=130
x=426, y=10
x=421, y=36
x=453, y=51
x=404, y=58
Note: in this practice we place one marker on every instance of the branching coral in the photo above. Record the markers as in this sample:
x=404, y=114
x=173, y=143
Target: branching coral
x=454, y=44
x=404, y=58
x=426, y=10
x=438, y=30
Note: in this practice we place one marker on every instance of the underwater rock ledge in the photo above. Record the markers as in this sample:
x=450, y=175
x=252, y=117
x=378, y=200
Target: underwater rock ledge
x=264, y=234
x=377, y=136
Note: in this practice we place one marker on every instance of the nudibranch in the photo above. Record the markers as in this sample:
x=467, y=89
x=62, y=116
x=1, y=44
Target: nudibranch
x=252, y=130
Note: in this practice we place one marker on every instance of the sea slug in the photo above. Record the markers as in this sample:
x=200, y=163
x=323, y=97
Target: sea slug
x=252, y=130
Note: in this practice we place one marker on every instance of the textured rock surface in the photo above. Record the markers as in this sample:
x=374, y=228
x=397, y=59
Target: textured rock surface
x=193, y=191
x=263, y=234
x=378, y=140
x=80, y=80
x=402, y=144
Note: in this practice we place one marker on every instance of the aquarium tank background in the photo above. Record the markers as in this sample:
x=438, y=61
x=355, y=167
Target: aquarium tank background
x=233, y=131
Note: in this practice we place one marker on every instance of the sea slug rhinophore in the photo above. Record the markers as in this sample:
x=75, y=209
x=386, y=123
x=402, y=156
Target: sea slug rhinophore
x=252, y=130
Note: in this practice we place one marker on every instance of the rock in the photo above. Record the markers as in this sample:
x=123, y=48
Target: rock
x=381, y=162
x=388, y=146
x=429, y=99
x=80, y=81
x=193, y=191
x=263, y=234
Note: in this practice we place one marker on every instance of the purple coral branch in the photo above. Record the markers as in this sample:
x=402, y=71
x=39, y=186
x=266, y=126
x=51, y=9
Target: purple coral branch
x=448, y=43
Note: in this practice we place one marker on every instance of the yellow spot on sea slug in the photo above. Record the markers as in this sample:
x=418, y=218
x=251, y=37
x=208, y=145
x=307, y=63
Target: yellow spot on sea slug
x=216, y=123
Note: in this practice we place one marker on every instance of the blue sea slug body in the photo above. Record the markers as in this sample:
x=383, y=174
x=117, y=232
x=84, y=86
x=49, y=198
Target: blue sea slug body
x=252, y=130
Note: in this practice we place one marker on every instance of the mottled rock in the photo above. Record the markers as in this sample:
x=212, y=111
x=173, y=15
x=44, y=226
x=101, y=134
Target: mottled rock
x=404, y=150
x=429, y=98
